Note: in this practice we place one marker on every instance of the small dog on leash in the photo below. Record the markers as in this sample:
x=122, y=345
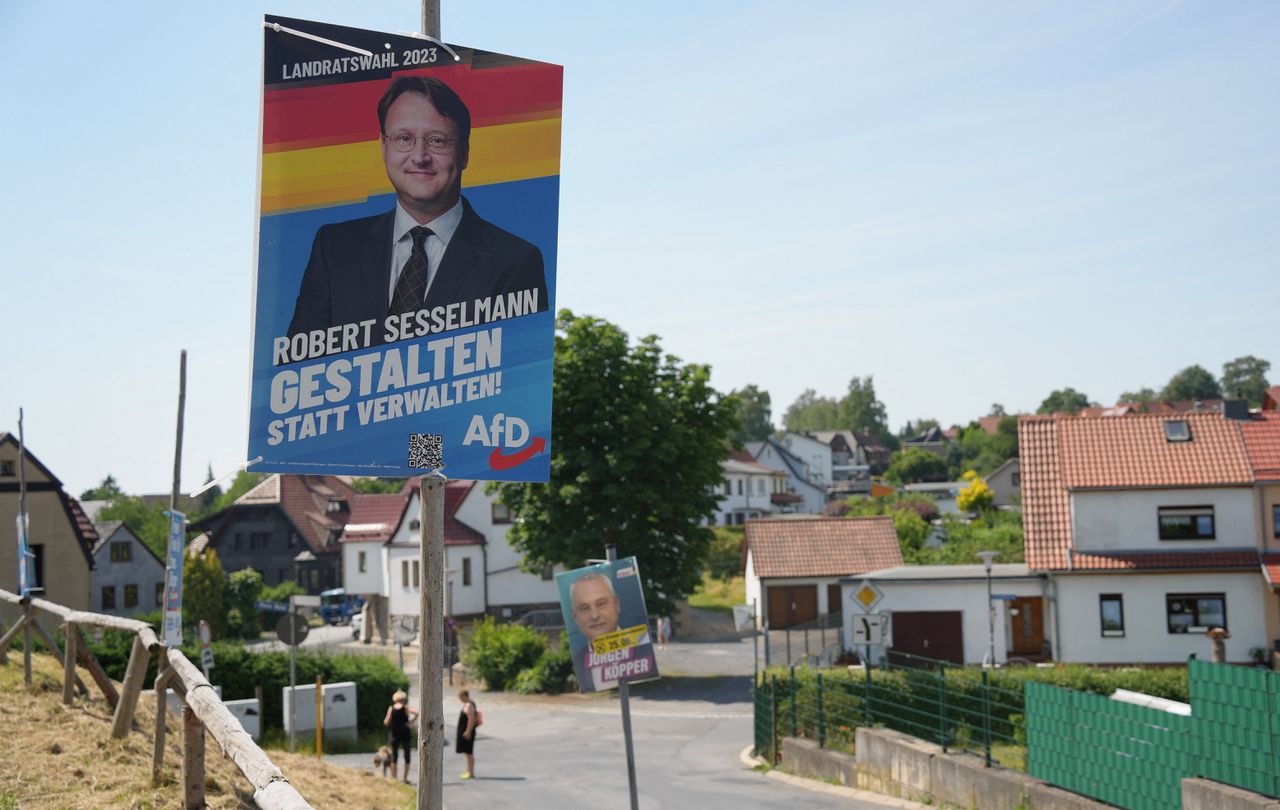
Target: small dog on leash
x=384, y=758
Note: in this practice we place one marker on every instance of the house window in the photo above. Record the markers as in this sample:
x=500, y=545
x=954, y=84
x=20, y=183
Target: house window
x=1017, y=479
x=466, y=571
x=159, y=594
x=131, y=596
x=108, y=597
x=1186, y=522
x=404, y=573
x=259, y=540
x=417, y=583
x=361, y=559
x=759, y=486
x=236, y=543
x=414, y=525
x=548, y=572
x=293, y=539
x=1275, y=521
x=1177, y=430
x=739, y=486
x=501, y=513
x=728, y=519
x=1112, y=606
x=37, y=565
x=121, y=552
x=1195, y=612
x=6, y=468
x=335, y=506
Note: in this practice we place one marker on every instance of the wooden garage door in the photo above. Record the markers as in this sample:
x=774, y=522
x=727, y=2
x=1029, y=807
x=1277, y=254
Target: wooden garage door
x=930, y=633
x=790, y=605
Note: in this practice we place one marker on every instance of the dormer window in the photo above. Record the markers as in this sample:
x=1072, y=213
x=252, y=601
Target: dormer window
x=335, y=506
x=1177, y=430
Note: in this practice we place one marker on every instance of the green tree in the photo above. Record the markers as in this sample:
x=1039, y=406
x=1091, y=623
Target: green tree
x=242, y=483
x=1246, y=378
x=636, y=457
x=379, y=486
x=244, y=589
x=210, y=496
x=1193, y=382
x=1143, y=395
x=997, y=410
x=724, y=562
x=1065, y=400
x=860, y=410
x=149, y=523
x=812, y=412
x=204, y=592
x=913, y=466
x=754, y=414
x=108, y=490
x=962, y=540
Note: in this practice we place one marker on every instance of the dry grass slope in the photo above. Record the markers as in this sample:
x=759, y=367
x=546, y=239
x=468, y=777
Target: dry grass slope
x=59, y=757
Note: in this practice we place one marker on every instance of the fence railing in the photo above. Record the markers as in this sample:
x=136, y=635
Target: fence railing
x=202, y=709
x=953, y=706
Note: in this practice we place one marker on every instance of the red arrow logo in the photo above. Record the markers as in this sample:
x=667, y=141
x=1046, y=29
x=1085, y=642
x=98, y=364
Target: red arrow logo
x=500, y=461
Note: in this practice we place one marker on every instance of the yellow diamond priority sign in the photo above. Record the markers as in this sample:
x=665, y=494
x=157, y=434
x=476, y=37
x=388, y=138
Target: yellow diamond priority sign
x=866, y=595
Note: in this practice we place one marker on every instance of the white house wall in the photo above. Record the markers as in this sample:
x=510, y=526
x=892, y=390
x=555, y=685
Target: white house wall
x=1147, y=638
x=753, y=590
x=1128, y=520
x=815, y=498
x=969, y=597
x=815, y=455
x=404, y=598
x=371, y=580
x=466, y=599
x=509, y=585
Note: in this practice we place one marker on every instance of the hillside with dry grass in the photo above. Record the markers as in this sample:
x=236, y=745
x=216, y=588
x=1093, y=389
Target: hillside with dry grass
x=55, y=757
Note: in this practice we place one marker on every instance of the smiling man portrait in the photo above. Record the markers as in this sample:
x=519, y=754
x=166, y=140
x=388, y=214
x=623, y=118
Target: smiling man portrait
x=429, y=252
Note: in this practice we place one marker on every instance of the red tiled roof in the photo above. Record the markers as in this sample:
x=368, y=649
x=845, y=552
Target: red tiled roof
x=1262, y=444
x=1271, y=398
x=822, y=547
x=1046, y=512
x=457, y=533
x=374, y=518
x=1133, y=452
x=305, y=499
x=741, y=455
x=1201, y=560
x=785, y=497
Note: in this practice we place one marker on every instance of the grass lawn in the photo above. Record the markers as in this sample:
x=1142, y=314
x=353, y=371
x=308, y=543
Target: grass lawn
x=714, y=594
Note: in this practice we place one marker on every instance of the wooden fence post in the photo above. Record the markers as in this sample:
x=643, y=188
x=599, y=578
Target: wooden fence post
x=26, y=645
x=4, y=651
x=133, y=677
x=11, y=634
x=192, y=759
x=56, y=652
x=90, y=662
x=69, y=664
x=162, y=712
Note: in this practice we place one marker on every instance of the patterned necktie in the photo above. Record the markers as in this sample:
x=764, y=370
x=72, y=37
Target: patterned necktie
x=411, y=287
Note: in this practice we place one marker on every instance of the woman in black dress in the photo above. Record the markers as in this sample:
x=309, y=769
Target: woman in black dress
x=468, y=719
x=399, y=720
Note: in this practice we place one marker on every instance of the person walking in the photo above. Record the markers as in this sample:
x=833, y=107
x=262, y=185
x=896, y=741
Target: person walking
x=399, y=720
x=468, y=721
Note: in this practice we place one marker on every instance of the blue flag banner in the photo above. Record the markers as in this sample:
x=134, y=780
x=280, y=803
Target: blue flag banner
x=26, y=560
x=173, y=579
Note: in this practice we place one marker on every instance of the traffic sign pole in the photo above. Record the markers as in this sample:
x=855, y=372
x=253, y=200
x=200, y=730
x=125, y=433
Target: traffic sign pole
x=293, y=689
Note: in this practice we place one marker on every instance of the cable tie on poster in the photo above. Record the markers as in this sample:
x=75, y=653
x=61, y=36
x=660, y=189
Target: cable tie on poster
x=236, y=471
x=278, y=28
x=416, y=35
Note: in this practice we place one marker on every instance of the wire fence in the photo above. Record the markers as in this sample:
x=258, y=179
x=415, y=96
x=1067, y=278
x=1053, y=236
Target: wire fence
x=959, y=708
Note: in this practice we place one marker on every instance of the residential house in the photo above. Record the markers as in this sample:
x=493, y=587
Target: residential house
x=943, y=493
x=815, y=453
x=287, y=528
x=850, y=470
x=128, y=577
x=381, y=555
x=793, y=568
x=876, y=452
x=932, y=441
x=774, y=455
x=1006, y=484
x=59, y=534
x=751, y=490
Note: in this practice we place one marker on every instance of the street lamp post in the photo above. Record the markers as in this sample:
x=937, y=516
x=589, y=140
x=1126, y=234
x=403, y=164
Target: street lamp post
x=987, y=558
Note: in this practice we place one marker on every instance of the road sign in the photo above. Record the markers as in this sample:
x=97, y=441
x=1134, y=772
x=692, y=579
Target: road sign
x=743, y=616
x=292, y=629
x=271, y=607
x=870, y=629
x=302, y=600
x=866, y=595
x=204, y=634
x=206, y=659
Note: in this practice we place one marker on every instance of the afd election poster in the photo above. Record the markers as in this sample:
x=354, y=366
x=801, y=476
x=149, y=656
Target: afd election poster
x=405, y=285
x=172, y=628
x=608, y=625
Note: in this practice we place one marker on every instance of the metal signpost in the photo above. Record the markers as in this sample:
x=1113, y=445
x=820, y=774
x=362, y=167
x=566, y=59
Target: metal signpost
x=292, y=629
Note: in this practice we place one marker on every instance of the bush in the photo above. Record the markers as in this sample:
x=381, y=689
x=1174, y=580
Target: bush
x=500, y=652
x=552, y=674
x=724, y=560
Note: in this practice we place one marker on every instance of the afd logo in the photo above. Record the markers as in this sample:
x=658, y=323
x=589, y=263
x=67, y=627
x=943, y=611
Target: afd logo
x=504, y=432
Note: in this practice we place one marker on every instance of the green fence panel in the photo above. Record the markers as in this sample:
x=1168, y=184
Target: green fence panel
x=1236, y=725
x=1129, y=756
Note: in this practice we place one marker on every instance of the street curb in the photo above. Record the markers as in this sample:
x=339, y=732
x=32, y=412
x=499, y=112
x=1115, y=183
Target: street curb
x=815, y=786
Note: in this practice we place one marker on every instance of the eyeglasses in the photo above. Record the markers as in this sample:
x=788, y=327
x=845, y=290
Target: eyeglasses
x=436, y=144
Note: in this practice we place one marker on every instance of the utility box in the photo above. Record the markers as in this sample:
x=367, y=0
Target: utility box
x=249, y=713
x=340, y=714
x=172, y=700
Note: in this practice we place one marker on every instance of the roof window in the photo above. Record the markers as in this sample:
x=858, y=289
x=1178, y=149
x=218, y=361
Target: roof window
x=1177, y=430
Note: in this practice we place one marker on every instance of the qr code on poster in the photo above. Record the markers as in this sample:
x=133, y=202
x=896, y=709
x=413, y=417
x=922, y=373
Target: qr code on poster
x=426, y=451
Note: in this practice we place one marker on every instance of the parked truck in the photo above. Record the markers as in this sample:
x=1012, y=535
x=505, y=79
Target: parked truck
x=337, y=606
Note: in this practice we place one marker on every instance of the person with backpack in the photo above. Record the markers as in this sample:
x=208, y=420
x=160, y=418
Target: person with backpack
x=469, y=719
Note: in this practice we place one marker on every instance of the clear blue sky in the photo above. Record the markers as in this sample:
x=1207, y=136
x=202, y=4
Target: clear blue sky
x=974, y=203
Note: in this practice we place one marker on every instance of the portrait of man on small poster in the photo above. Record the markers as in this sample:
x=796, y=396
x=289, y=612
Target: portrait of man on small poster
x=608, y=625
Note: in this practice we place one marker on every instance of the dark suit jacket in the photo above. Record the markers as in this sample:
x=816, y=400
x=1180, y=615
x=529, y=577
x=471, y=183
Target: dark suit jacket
x=348, y=277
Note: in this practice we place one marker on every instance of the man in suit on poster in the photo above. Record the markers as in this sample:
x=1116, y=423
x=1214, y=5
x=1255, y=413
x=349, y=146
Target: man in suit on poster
x=429, y=252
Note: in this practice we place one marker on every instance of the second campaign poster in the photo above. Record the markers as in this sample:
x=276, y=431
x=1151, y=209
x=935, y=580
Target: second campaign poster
x=405, y=287
x=608, y=625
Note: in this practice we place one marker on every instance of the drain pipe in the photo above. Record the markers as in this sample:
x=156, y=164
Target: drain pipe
x=1049, y=588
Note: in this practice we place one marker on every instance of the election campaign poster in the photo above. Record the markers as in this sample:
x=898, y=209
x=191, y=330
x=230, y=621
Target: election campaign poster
x=405, y=282
x=608, y=625
x=173, y=579
x=26, y=560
